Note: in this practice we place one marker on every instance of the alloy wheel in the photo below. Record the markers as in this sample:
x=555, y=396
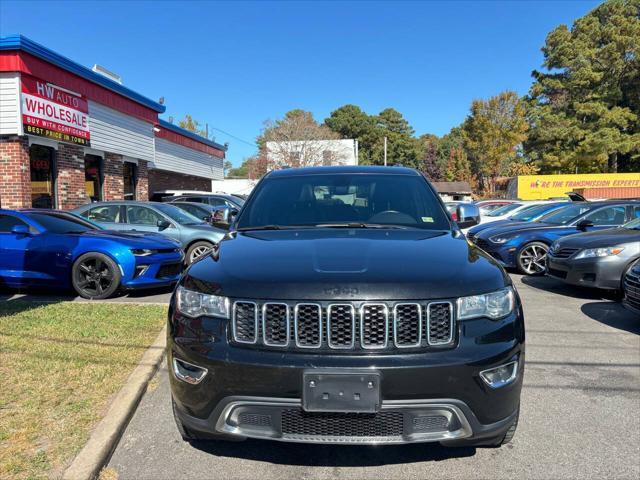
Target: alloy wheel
x=94, y=277
x=533, y=259
x=198, y=252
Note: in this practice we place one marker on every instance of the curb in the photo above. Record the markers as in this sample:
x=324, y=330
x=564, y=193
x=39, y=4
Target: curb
x=104, y=439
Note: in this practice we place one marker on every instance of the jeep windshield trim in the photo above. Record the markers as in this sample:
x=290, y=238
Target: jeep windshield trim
x=345, y=200
x=344, y=307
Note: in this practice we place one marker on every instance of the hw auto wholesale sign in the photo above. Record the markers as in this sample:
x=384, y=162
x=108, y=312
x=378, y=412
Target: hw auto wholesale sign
x=55, y=113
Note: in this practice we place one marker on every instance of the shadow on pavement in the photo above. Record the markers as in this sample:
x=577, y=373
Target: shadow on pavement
x=612, y=314
x=332, y=455
x=552, y=285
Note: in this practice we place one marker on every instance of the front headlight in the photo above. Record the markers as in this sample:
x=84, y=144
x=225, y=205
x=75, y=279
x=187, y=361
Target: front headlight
x=599, y=252
x=196, y=304
x=142, y=252
x=494, y=305
x=502, y=238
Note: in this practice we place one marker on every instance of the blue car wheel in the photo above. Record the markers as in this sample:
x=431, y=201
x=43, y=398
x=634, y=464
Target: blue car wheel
x=95, y=276
x=532, y=258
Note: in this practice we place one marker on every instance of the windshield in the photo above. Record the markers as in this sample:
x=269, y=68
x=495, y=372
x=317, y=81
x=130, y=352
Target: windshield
x=529, y=213
x=504, y=210
x=349, y=200
x=633, y=224
x=565, y=215
x=62, y=222
x=178, y=215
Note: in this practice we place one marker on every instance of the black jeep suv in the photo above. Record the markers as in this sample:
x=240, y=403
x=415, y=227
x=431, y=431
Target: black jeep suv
x=344, y=306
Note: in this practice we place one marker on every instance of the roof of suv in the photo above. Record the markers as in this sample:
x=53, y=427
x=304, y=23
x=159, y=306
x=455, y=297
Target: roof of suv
x=294, y=172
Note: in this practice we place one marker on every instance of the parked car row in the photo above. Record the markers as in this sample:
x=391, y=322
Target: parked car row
x=590, y=244
x=49, y=248
x=195, y=235
x=101, y=248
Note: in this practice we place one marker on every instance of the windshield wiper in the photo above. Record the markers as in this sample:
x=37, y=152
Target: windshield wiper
x=360, y=225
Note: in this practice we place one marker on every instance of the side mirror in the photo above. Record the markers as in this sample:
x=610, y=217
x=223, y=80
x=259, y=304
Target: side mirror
x=468, y=215
x=163, y=224
x=222, y=217
x=584, y=224
x=21, y=230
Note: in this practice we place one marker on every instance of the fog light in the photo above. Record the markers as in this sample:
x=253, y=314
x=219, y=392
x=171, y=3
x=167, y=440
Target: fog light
x=500, y=376
x=188, y=372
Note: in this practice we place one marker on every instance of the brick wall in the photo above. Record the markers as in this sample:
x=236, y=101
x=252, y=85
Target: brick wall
x=142, y=187
x=164, y=180
x=15, y=173
x=113, y=188
x=71, y=188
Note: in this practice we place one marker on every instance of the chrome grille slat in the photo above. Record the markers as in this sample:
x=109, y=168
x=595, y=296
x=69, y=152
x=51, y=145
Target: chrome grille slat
x=374, y=326
x=307, y=328
x=439, y=323
x=244, y=322
x=407, y=332
x=275, y=324
x=341, y=329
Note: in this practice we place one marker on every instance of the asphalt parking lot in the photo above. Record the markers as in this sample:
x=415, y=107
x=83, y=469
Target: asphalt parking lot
x=580, y=414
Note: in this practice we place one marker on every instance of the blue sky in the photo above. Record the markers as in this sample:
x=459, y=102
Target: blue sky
x=234, y=65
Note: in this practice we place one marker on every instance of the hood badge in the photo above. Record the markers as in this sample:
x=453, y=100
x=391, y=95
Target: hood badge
x=342, y=291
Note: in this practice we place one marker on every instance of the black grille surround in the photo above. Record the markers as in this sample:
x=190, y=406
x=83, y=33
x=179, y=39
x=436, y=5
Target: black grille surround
x=564, y=252
x=382, y=424
x=169, y=270
x=344, y=326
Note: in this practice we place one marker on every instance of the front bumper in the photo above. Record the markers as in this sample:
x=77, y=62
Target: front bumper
x=156, y=270
x=505, y=255
x=428, y=396
x=604, y=272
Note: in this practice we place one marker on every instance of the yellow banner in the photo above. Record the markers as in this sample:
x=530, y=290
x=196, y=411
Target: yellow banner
x=543, y=187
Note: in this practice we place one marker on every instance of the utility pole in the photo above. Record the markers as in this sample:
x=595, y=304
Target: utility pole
x=385, y=151
x=206, y=129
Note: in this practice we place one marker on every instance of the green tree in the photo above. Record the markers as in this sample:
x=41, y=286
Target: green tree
x=401, y=145
x=493, y=134
x=227, y=166
x=349, y=121
x=583, y=109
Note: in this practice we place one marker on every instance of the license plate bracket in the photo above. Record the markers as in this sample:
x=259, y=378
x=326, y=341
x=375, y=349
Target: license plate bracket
x=347, y=392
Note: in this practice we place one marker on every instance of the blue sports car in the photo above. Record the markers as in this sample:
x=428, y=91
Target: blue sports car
x=58, y=249
x=530, y=214
x=524, y=246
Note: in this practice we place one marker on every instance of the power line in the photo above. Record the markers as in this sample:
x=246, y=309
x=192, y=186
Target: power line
x=251, y=144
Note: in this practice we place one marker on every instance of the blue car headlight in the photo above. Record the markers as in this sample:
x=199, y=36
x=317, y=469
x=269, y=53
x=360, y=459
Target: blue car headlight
x=500, y=239
x=196, y=304
x=494, y=305
x=142, y=252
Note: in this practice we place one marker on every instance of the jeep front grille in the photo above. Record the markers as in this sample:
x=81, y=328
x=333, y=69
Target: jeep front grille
x=347, y=326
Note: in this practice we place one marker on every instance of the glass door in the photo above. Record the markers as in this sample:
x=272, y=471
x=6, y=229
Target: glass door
x=42, y=176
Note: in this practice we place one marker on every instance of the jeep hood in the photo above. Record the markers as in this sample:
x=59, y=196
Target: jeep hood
x=345, y=264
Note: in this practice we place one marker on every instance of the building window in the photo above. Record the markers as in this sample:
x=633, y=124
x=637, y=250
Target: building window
x=130, y=180
x=42, y=176
x=93, y=177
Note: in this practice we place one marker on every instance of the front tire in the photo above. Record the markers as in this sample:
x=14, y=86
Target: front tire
x=95, y=276
x=197, y=250
x=532, y=258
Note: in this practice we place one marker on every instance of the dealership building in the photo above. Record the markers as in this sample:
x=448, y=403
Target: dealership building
x=70, y=135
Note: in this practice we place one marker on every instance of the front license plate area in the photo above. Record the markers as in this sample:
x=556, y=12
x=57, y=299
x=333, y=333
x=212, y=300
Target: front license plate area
x=341, y=392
